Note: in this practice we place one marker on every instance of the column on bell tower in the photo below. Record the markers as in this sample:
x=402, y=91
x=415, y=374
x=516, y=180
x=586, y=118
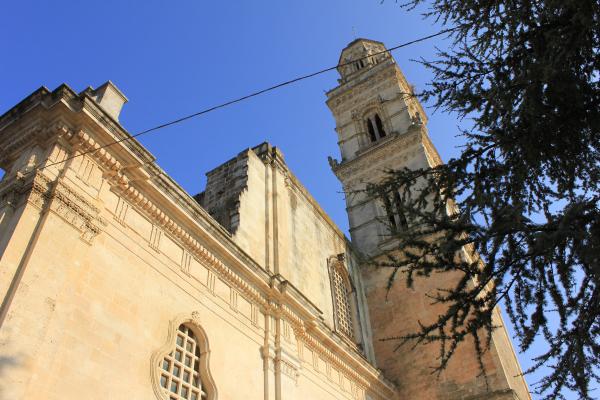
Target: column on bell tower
x=381, y=126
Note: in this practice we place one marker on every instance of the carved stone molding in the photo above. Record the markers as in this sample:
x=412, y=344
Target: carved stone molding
x=78, y=212
x=41, y=191
x=11, y=190
x=37, y=133
x=142, y=203
x=68, y=204
x=303, y=331
x=399, y=144
x=113, y=170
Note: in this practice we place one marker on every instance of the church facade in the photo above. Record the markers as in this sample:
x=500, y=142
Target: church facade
x=116, y=283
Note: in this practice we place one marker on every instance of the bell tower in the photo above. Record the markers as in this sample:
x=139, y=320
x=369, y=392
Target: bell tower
x=381, y=126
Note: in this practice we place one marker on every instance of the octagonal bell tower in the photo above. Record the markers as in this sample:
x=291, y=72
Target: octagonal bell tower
x=380, y=126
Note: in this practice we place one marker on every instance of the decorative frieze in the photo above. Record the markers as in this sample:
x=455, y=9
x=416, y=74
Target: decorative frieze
x=67, y=203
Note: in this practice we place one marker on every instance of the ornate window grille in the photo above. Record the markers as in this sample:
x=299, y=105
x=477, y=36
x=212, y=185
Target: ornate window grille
x=180, y=368
x=341, y=290
x=180, y=375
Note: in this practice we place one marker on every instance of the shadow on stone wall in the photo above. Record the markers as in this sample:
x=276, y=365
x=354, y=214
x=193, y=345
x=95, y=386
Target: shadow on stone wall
x=6, y=362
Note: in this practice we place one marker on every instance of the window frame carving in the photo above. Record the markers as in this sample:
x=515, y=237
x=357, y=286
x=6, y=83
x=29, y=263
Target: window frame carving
x=381, y=131
x=336, y=264
x=192, y=321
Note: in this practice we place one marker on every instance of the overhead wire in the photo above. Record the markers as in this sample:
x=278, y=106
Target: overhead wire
x=240, y=99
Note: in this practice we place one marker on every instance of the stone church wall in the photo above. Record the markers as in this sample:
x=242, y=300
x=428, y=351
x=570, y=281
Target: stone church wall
x=280, y=225
x=98, y=263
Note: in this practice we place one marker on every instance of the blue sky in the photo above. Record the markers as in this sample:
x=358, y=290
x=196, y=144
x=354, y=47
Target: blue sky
x=175, y=58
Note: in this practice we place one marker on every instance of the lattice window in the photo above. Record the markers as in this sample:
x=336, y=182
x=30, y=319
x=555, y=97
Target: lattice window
x=341, y=291
x=180, y=369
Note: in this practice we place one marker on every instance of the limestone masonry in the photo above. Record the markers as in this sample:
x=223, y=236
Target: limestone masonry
x=117, y=284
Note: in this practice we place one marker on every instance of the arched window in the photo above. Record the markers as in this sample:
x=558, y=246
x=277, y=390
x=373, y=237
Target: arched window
x=380, y=129
x=181, y=366
x=375, y=127
x=341, y=290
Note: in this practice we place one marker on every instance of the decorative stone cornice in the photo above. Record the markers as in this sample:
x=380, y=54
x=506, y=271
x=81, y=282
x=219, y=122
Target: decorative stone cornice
x=396, y=144
x=11, y=146
x=82, y=102
x=315, y=336
x=363, y=377
x=111, y=167
x=161, y=219
x=54, y=195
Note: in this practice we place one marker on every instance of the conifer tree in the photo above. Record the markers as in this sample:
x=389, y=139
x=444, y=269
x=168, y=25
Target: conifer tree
x=522, y=197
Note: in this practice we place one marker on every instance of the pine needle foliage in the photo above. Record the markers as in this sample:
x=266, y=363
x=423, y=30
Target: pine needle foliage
x=516, y=213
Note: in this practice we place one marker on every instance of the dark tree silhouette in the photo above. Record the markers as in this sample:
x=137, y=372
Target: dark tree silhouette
x=522, y=196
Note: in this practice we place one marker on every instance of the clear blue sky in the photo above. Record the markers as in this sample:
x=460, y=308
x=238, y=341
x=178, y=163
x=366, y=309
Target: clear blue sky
x=172, y=58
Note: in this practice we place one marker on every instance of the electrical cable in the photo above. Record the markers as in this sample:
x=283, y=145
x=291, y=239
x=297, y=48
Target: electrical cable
x=240, y=99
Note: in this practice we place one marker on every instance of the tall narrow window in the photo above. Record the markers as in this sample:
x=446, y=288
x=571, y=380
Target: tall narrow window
x=400, y=217
x=341, y=289
x=375, y=127
x=389, y=211
x=371, y=130
x=180, y=369
x=379, y=125
x=393, y=210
